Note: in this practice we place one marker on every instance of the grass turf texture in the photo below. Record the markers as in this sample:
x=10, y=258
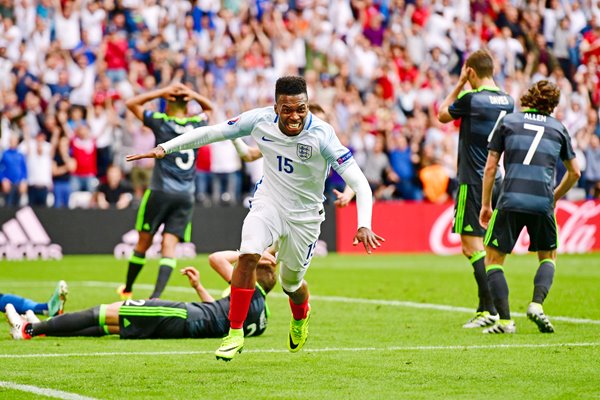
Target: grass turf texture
x=388, y=348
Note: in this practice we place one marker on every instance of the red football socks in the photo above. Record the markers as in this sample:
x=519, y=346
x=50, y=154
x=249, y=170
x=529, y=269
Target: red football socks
x=299, y=311
x=240, y=303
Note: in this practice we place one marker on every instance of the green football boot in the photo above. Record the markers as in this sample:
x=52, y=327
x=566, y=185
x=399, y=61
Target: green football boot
x=231, y=345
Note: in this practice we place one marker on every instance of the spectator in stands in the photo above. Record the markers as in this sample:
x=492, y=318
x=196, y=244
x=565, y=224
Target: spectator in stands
x=225, y=167
x=61, y=88
x=13, y=173
x=592, y=170
x=378, y=171
x=141, y=171
x=83, y=149
x=203, y=176
x=39, y=154
x=434, y=177
x=62, y=167
x=116, y=192
x=114, y=50
x=401, y=160
x=102, y=121
x=67, y=23
x=404, y=54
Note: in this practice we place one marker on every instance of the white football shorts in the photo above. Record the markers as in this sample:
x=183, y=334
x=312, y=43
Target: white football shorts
x=264, y=225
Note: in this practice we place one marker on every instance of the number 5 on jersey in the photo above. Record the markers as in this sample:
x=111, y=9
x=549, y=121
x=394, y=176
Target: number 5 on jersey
x=285, y=165
x=186, y=163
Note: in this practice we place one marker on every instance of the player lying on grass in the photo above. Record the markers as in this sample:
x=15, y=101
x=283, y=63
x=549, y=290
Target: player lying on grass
x=54, y=306
x=158, y=319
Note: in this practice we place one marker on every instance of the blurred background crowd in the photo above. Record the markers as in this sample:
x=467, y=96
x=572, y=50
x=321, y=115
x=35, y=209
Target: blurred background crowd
x=379, y=69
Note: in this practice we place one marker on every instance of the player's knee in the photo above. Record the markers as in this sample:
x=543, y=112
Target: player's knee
x=290, y=286
x=289, y=279
x=547, y=255
x=248, y=262
x=214, y=259
x=466, y=251
x=492, y=257
x=471, y=245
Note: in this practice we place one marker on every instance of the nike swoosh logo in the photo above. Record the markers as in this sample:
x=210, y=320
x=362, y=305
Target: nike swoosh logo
x=292, y=345
x=266, y=139
x=229, y=349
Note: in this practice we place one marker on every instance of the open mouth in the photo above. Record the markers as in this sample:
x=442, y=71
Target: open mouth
x=296, y=126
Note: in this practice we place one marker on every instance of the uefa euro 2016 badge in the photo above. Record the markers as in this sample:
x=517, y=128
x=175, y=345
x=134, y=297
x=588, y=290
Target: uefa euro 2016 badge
x=304, y=151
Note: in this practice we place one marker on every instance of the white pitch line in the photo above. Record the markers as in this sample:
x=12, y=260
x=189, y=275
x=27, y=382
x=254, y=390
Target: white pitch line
x=336, y=299
x=58, y=394
x=317, y=350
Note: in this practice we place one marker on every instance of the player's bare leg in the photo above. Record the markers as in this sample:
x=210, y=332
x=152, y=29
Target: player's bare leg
x=243, y=283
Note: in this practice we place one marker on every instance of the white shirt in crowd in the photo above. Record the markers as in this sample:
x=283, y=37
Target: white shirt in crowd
x=92, y=24
x=223, y=158
x=67, y=32
x=39, y=162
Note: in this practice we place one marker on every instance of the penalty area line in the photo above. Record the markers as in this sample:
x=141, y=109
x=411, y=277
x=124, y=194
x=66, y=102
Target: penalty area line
x=57, y=394
x=308, y=350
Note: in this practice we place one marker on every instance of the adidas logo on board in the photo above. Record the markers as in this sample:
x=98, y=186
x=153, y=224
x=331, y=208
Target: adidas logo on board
x=24, y=237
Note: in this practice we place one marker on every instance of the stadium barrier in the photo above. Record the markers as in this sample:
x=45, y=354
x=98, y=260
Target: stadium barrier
x=413, y=227
x=408, y=227
x=46, y=233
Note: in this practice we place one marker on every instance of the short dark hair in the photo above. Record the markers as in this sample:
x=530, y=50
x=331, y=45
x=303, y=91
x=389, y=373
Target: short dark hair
x=290, y=85
x=543, y=96
x=482, y=63
x=179, y=102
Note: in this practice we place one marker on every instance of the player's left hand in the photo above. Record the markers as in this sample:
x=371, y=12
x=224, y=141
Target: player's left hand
x=342, y=198
x=368, y=238
x=192, y=274
x=485, y=215
x=157, y=152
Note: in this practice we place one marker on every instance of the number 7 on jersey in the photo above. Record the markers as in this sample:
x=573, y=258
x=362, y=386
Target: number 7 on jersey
x=539, y=132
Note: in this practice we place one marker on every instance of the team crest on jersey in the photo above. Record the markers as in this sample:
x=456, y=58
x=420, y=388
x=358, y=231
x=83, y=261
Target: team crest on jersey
x=304, y=151
x=233, y=121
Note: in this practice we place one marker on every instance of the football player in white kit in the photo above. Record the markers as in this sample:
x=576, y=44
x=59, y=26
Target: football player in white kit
x=287, y=207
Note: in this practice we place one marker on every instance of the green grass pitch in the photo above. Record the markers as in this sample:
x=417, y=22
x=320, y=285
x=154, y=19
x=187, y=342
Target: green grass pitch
x=382, y=327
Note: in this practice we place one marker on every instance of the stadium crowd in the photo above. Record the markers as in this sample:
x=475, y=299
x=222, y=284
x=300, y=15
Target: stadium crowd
x=379, y=69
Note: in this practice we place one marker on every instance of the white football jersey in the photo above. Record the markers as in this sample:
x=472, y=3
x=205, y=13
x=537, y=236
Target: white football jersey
x=295, y=167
